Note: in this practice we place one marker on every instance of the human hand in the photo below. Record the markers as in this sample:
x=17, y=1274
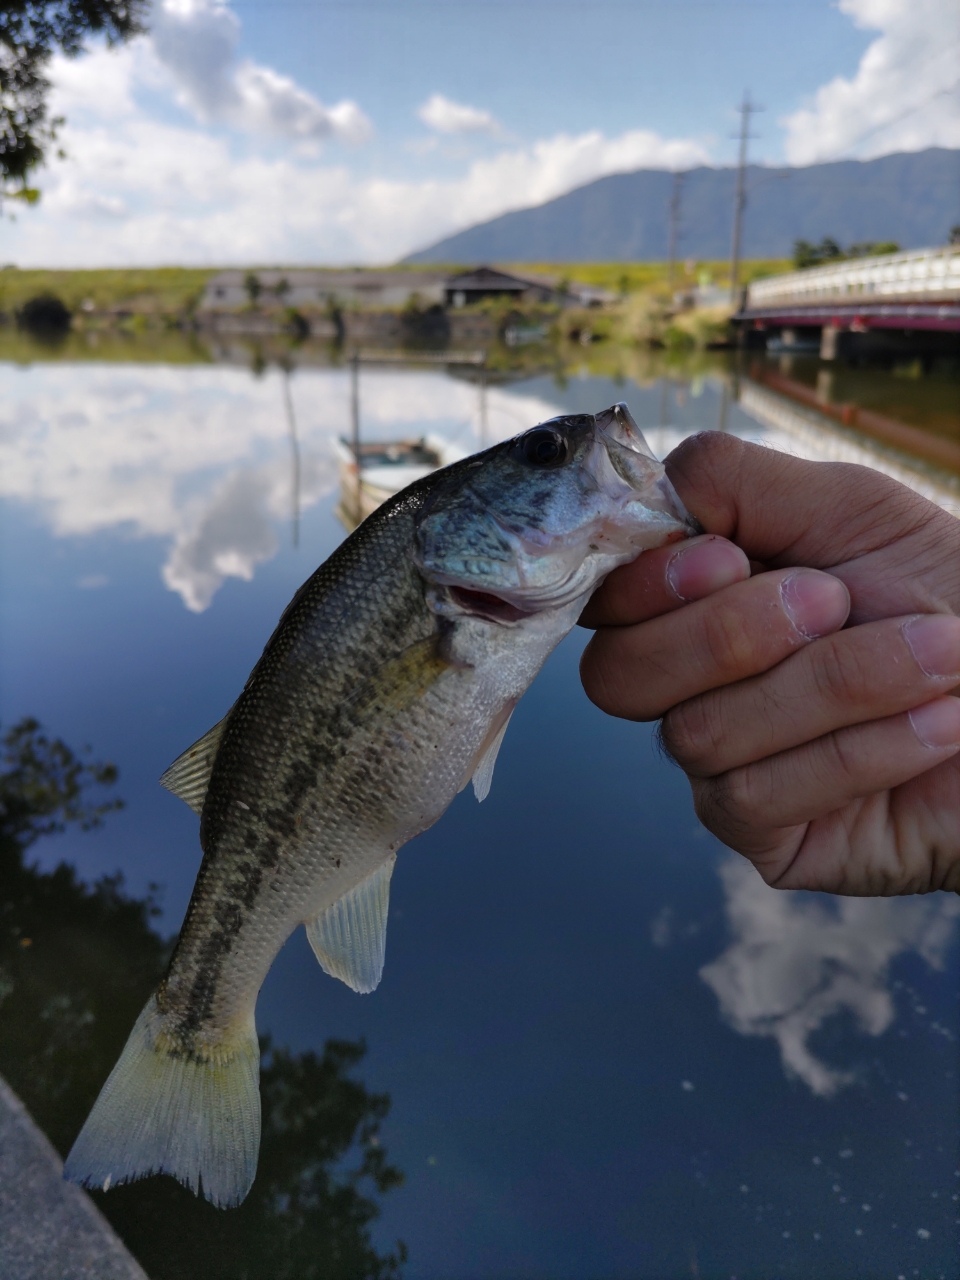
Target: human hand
x=808, y=703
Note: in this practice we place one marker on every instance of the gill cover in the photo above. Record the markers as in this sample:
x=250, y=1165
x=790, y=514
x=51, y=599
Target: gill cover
x=537, y=520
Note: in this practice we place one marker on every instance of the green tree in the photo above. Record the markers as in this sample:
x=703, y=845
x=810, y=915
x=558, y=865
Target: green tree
x=30, y=32
x=77, y=962
x=806, y=254
x=872, y=248
x=251, y=282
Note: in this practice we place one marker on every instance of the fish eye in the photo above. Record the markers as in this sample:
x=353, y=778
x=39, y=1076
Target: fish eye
x=543, y=447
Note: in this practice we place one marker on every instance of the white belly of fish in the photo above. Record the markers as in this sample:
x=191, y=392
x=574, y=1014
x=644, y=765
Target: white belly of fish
x=451, y=734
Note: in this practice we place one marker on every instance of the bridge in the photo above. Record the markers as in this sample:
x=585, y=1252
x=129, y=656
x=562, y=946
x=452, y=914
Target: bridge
x=903, y=294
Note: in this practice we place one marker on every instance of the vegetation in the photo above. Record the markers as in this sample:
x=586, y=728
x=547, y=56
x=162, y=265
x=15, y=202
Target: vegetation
x=806, y=254
x=161, y=290
x=30, y=32
x=633, y=277
x=129, y=341
x=77, y=962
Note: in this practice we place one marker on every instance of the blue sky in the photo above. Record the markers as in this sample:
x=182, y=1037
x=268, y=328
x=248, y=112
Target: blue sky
x=358, y=130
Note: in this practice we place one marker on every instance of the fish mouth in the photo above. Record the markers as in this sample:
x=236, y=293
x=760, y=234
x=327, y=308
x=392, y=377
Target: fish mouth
x=627, y=470
x=484, y=604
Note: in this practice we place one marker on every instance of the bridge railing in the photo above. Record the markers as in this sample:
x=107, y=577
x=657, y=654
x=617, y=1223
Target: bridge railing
x=922, y=275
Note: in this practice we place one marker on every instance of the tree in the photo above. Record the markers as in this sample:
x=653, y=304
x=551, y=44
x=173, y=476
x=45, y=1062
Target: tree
x=251, y=282
x=806, y=254
x=30, y=32
x=77, y=963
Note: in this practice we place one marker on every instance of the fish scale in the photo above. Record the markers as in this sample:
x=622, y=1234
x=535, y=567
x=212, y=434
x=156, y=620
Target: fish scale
x=388, y=682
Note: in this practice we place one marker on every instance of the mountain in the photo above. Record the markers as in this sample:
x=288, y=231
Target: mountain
x=912, y=198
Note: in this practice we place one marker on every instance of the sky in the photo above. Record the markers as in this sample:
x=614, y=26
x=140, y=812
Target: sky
x=356, y=131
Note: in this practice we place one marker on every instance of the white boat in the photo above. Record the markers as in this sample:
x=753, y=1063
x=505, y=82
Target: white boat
x=386, y=467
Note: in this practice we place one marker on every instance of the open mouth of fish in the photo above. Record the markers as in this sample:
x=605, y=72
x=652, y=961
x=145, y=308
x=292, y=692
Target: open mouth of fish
x=484, y=604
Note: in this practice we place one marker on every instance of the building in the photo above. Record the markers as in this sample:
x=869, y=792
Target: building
x=381, y=289
x=317, y=288
x=486, y=282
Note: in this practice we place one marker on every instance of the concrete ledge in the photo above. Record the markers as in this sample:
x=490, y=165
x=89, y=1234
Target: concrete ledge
x=49, y=1229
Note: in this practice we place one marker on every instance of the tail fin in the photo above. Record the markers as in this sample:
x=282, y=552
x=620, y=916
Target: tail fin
x=162, y=1112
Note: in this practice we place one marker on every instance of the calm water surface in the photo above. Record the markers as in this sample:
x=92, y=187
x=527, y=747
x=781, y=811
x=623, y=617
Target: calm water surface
x=611, y=1050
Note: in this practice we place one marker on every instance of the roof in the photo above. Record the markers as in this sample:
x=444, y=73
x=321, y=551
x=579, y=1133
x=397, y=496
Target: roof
x=488, y=278
x=330, y=278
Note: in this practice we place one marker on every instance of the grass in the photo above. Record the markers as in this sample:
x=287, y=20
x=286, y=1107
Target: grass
x=174, y=290
x=633, y=277
x=156, y=347
x=165, y=290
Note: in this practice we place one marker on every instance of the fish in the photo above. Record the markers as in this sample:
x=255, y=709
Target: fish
x=387, y=685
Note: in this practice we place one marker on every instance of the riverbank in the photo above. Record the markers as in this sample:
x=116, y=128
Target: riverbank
x=49, y=1229
x=631, y=301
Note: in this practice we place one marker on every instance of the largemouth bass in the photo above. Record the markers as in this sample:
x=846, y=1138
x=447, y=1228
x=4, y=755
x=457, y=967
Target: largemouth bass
x=387, y=685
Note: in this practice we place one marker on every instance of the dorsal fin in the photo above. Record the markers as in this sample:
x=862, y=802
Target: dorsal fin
x=189, y=775
x=483, y=770
x=350, y=938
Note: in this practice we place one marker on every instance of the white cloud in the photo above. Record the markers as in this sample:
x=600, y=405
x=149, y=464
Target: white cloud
x=445, y=116
x=136, y=190
x=797, y=960
x=904, y=94
x=192, y=48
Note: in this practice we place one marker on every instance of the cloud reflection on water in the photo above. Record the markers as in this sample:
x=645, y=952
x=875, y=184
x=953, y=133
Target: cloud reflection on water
x=201, y=456
x=797, y=959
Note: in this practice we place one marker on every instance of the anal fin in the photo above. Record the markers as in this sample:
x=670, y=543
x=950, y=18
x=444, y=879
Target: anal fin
x=189, y=775
x=349, y=938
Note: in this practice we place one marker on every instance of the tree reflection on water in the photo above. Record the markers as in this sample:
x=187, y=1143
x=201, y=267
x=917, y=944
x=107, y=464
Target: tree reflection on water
x=77, y=963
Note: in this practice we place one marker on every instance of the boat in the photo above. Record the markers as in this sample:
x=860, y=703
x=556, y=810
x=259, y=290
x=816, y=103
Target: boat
x=385, y=468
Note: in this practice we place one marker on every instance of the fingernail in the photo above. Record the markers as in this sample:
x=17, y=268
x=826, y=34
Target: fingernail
x=937, y=724
x=815, y=602
x=702, y=567
x=934, y=640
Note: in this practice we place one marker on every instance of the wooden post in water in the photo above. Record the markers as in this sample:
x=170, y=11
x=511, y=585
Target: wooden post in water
x=355, y=425
x=483, y=405
x=295, y=451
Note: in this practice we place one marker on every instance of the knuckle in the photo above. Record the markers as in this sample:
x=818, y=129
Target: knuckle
x=731, y=802
x=727, y=646
x=708, y=449
x=606, y=679
x=692, y=732
x=840, y=670
x=840, y=761
x=704, y=466
x=742, y=798
x=594, y=677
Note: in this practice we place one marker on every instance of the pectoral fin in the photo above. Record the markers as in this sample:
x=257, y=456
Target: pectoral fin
x=189, y=775
x=350, y=938
x=483, y=770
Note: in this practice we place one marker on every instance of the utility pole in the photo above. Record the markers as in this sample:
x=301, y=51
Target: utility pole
x=675, y=191
x=355, y=425
x=747, y=108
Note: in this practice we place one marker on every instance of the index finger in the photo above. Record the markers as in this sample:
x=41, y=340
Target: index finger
x=663, y=579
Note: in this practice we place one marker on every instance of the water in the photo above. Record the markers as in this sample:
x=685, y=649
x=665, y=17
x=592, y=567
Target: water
x=611, y=1050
